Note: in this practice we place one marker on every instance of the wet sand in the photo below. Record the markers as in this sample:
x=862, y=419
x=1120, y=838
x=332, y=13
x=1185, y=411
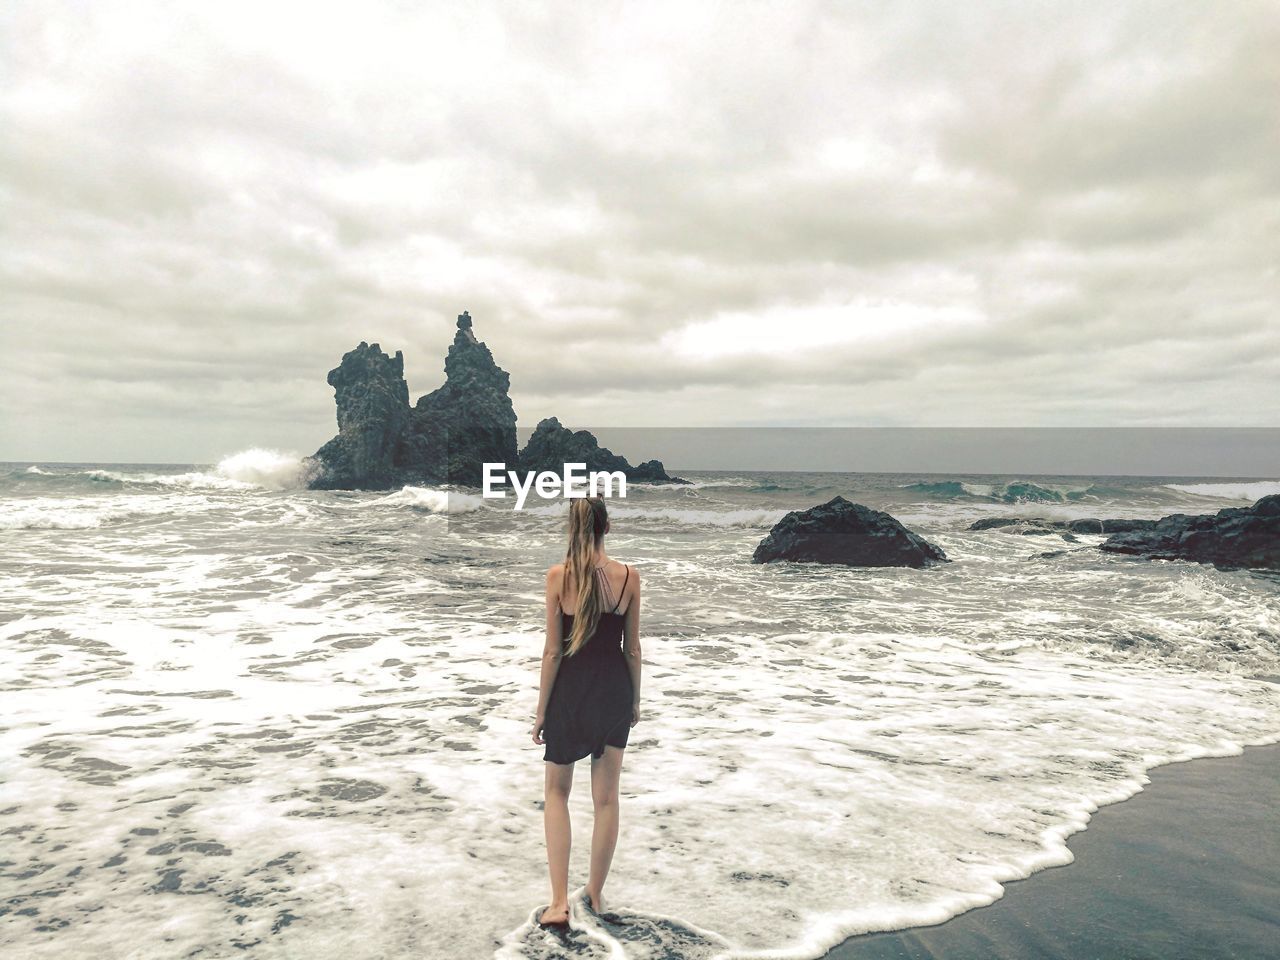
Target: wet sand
x=1189, y=868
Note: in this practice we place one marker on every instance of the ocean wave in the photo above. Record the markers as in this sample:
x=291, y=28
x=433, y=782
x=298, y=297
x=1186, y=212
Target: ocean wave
x=432, y=500
x=746, y=517
x=1027, y=492
x=63, y=514
x=37, y=474
x=61, y=519
x=193, y=480
x=255, y=468
x=106, y=476
x=1015, y=491
x=714, y=482
x=1249, y=491
x=946, y=488
x=261, y=467
x=1026, y=708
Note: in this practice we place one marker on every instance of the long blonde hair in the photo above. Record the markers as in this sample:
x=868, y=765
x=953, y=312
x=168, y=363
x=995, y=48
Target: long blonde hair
x=587, y=521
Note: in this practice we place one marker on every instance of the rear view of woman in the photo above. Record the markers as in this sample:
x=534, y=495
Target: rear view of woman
x=589, y=695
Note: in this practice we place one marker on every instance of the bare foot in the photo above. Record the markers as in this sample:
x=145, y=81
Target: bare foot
x=594, y=901
x=554, y=914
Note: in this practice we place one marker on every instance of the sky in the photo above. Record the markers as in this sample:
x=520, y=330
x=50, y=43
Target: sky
x=692, y=214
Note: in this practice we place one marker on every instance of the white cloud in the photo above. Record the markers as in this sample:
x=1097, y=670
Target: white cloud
x=1039, y=214
x=808, y=328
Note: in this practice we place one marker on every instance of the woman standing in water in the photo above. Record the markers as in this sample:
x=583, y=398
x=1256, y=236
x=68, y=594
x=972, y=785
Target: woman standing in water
x=589, y=695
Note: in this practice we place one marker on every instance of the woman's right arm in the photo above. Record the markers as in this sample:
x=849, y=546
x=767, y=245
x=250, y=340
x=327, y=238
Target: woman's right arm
x=631, y=644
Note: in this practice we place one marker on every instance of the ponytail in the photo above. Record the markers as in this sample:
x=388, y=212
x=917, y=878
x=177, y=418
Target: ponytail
x=587, y=520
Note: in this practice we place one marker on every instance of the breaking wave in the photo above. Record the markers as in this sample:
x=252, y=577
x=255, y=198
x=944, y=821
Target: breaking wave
x=749, y=517
x=255, y=468
x=49, y=513
x=1018, y=491
x=746, y=517
x=431, y=500
x=1249, y=491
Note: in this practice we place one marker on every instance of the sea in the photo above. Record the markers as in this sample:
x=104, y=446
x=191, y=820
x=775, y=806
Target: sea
x=241, y=718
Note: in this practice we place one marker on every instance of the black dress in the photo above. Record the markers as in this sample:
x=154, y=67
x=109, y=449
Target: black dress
x=590, y=702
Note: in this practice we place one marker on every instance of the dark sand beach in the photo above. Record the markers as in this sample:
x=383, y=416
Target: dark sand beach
x=1189, y=868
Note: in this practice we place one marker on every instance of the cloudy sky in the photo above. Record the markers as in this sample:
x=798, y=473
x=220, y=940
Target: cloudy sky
x=731, y=214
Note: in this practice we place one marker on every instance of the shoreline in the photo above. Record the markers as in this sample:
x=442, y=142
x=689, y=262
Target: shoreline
x=1188, y=867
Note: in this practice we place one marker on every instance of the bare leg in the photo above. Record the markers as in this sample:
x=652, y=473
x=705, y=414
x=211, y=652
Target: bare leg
x=555, y=819
x=605, y=772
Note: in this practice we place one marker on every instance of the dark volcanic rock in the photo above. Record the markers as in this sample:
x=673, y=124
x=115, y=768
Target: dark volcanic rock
x=652, y=471
x=373, y=412
x=1235, y=538
x=383, y=442
x=449, y=434
x=994, y=523
x=847, y=533
x=1032, y=524
x=467, y=422
x=552, y=445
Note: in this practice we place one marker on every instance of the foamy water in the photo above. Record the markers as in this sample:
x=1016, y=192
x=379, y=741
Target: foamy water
x=1230, y=491
x=243, y=718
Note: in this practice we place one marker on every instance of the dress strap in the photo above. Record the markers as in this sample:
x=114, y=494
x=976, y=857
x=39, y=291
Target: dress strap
x=623, y=591
x=604, y=585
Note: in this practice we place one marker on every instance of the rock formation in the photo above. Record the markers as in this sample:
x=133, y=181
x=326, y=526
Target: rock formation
x=1234, y=538
x=552, y=445
x=467, y=422
x=373, y=415
x=846, y=533
x=382, y=442
x=449, y=434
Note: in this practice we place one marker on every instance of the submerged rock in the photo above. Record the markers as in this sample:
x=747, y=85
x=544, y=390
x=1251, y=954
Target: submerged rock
x=1072, y=526
x=1234, y=538
x=839, y=531
x=552, y=445
x=1050, y=555
x=373, y=414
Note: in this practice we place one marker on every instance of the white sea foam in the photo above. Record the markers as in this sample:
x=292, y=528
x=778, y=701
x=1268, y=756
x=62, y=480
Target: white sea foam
x=191, y=480
x=883, y=780
x=322, y=729
x=749, y=517
x=433, y=500
x=706, y=484
x=83, y=513
x=251, y=469
x=34, y=469
x=264, y=468
x=1250, y=491
x=1014, y=491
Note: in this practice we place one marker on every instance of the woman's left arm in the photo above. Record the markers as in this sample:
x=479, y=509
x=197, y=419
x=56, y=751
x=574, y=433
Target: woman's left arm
x=551, y=651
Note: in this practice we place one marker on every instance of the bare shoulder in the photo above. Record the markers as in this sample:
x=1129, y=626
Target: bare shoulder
x=555, y=574
x=632, y=580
